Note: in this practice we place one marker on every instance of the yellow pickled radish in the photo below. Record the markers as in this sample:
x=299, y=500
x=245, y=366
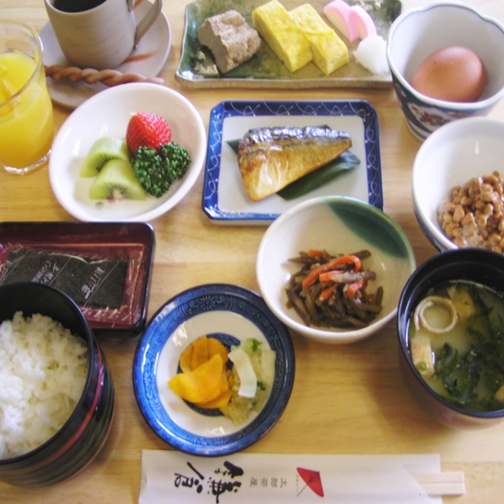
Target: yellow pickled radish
x=200, y=351
x=219, y=402
x=202, y=384
x=215, y=346
x=185, y=360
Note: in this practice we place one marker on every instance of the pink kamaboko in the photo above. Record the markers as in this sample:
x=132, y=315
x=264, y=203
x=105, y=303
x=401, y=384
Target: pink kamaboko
x=353, y=22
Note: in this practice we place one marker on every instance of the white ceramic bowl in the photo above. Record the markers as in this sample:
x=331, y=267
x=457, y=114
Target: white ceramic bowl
x=107, y=114
x=450, y=157
x=416, y=34
x=340, y=225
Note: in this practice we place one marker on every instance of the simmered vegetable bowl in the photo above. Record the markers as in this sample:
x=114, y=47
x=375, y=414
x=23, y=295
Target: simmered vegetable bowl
x=336, y=224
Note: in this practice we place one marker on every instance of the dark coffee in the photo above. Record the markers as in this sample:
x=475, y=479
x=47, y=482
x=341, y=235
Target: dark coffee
x=76, y=5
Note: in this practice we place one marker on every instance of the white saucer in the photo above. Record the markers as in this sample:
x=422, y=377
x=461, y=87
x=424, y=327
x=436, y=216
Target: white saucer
x=157, y=42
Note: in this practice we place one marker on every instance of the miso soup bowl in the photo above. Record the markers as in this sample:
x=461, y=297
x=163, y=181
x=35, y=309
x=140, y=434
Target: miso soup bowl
x=474, y=265
x=82, y=436
x=416, y=34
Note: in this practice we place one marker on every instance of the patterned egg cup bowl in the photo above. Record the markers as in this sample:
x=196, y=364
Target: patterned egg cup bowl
x=416, y=34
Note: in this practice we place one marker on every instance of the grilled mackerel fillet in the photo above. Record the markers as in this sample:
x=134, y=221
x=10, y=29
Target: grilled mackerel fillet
x=271, y=158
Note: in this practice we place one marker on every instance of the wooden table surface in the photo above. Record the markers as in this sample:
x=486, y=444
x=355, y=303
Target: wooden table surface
x=346, y=399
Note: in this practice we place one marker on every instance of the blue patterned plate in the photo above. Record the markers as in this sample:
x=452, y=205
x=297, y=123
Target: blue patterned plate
x=224, y=198
x=215, y=308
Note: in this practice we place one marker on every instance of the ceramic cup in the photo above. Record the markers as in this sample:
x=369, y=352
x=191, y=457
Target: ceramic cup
x=98, y=33
x=26, y=113
x=416, y=34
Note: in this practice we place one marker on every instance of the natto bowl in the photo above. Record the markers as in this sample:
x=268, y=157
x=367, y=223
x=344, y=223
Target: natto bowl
x=450, y=157
x=83, y=435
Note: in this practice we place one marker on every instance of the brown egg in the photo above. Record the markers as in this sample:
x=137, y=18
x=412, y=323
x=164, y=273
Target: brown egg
x=453, y=73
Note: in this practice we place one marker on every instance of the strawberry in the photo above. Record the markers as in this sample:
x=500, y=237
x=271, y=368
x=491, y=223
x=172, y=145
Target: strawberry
x=146, y=129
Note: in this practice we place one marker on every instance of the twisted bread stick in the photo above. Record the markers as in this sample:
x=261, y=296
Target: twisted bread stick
x=91, y=76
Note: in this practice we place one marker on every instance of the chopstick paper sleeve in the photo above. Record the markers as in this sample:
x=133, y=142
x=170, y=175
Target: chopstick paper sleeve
x=171, y=476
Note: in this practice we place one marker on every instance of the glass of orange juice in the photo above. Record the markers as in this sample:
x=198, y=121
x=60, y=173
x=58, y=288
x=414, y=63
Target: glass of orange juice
x=26, y=113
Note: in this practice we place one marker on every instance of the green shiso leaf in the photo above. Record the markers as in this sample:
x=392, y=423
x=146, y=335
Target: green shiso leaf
x=320, y=176
x=234, y=144
x=346, y=161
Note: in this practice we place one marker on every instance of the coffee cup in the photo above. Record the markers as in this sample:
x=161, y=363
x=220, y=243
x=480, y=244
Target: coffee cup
x=98, y=33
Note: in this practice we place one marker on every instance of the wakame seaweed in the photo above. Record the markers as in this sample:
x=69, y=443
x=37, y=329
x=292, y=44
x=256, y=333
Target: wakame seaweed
x=463, y=374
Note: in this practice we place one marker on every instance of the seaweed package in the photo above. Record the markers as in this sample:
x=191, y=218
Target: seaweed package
x=90, y=283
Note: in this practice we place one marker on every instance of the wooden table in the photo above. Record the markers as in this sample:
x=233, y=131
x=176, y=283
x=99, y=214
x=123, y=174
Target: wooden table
x=346, y=399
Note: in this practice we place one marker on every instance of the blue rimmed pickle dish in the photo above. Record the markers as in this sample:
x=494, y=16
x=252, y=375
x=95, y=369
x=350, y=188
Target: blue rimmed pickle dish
x=416, y=34
x=338, y=225
x=231, y=314
x=84, y=434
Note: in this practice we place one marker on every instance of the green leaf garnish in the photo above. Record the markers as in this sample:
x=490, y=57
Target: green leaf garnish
x=344, y=162
x=234, y=144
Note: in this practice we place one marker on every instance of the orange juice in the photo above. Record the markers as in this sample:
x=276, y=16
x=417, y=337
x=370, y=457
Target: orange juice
x=26, y=116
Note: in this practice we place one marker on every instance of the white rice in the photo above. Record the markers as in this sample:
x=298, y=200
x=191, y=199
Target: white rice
x=43, y=371
x=371, y=53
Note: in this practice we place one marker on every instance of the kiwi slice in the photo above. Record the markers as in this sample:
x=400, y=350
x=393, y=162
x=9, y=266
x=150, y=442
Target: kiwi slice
x=103, y=150
x=116, y=180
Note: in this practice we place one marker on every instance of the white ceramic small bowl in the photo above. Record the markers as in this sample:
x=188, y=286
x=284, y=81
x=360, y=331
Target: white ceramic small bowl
x=340, y=225
x=107, y=114
x=450, y=157
x=416, y=34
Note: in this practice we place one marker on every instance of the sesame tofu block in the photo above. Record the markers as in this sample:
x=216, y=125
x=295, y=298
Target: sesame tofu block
x=276, y=26
x=329, y=51
x=229, y=37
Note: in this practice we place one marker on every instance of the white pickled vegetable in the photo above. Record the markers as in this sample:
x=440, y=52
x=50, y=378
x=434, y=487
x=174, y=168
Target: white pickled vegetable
x=243, y=366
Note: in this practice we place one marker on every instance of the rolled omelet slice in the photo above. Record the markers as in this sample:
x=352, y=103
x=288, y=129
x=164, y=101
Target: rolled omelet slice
x=329, y=51
x=271, y=158
x=282, y=34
